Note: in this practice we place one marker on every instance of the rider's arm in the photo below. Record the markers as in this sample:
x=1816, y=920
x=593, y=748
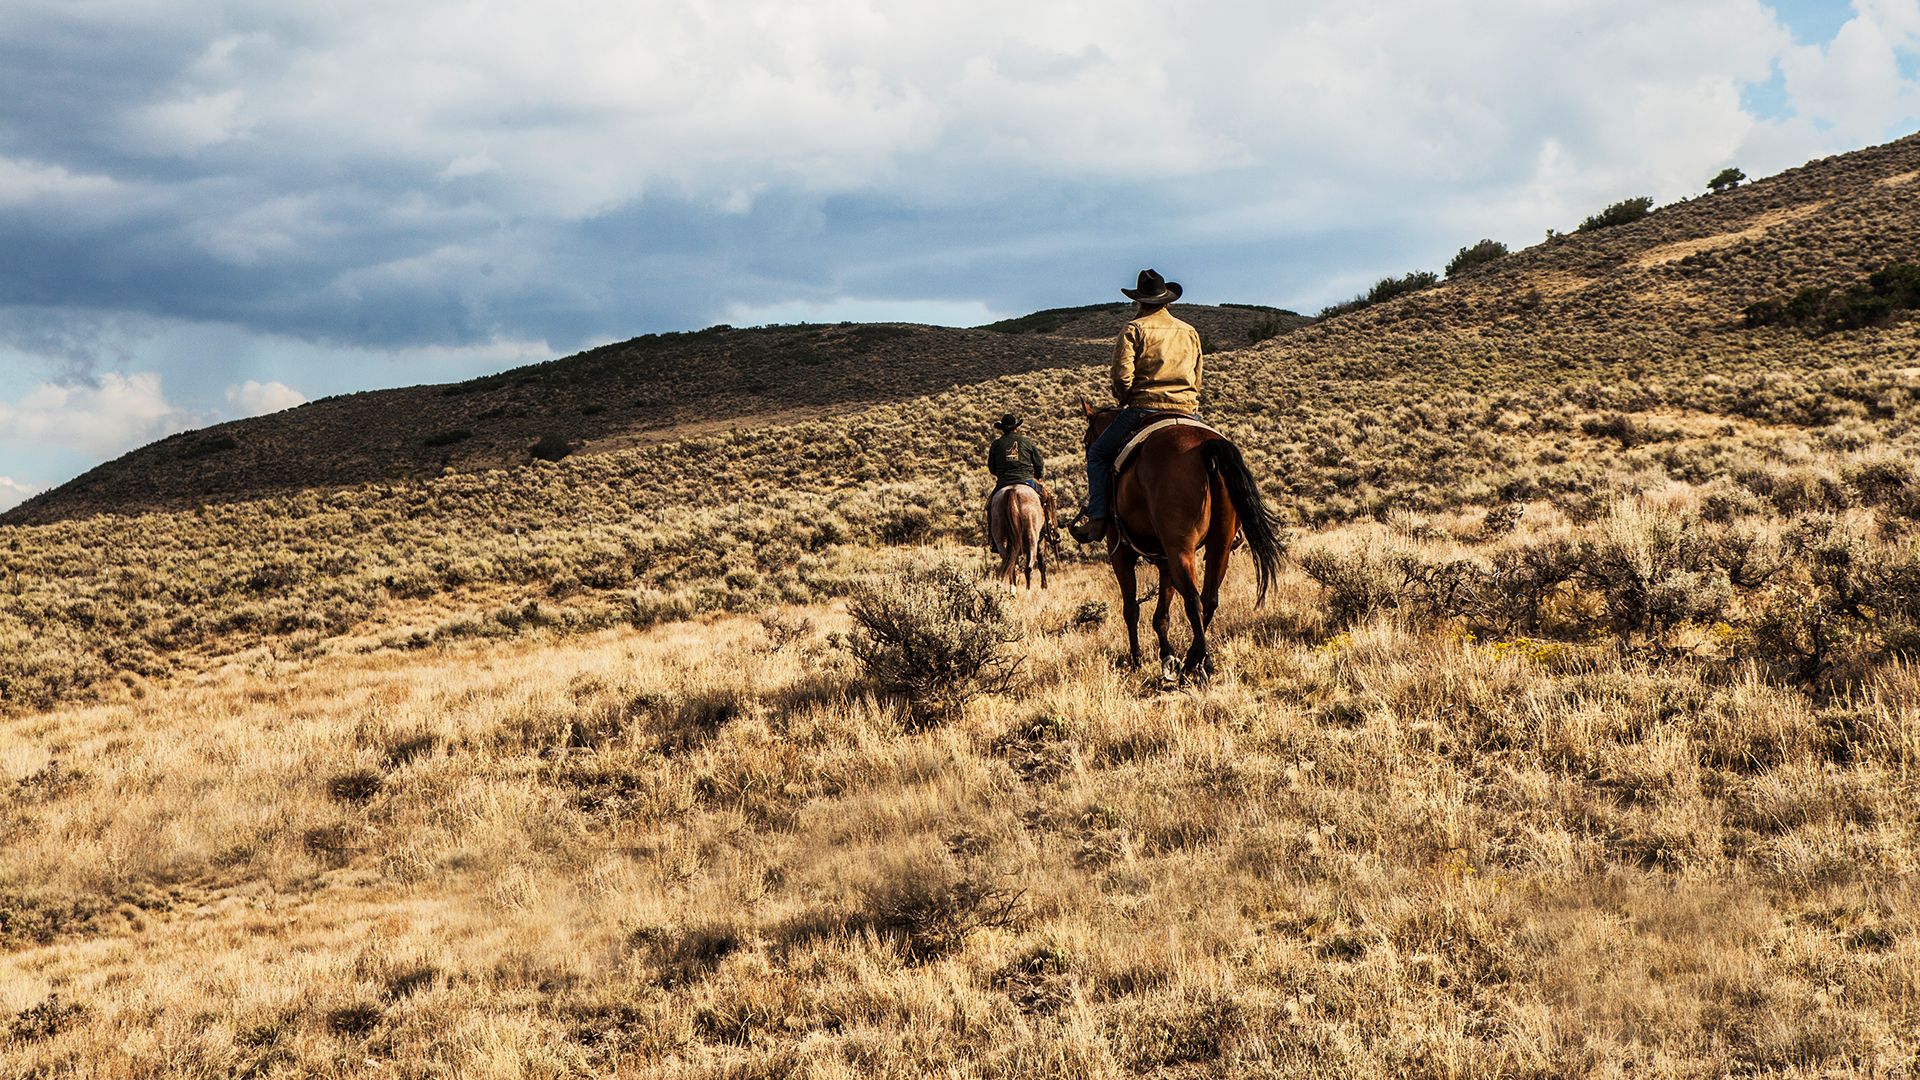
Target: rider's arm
x=1199, y=361
x=1039, y=466
x=996, y=457
x=1124, y=351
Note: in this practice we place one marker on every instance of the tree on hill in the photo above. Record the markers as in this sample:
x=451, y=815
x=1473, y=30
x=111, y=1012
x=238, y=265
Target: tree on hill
x=1483, y=252
x=1385, y=289
x=1623, y=212
x=1726, y=178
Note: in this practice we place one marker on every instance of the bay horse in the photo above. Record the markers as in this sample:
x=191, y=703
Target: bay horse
x=1186, y=491
x=1017, y=522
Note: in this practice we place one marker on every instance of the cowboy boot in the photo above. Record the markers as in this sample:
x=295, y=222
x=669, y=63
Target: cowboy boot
x=1086, y=529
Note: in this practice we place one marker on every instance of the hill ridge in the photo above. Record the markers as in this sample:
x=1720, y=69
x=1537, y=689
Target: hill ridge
x=646, y=390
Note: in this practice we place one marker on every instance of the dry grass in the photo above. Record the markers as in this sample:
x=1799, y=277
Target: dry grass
x=1753, y=230
x=703, y=850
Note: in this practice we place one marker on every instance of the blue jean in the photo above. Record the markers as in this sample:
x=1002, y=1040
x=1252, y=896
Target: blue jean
x=1100, y=455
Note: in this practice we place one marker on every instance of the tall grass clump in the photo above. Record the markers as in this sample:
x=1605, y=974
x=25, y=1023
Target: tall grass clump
x=933, y=639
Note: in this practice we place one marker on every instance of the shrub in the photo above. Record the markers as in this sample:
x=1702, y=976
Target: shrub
x=1624, y=212
x=1656, y=570
x=447, y=438
x=1388, y=288
x=207, y=447
x=1847, y=604
x=934, y=639
x=1728, y=177
x=907, y=525
x=552, y=447
x=1269, y=326
x=1479, y=254
x=1358, y=583
x=927, y=904
x=1887, y=292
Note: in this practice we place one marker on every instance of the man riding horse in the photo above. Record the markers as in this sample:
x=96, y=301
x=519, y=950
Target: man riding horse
x=1156, y=369
x=1183, y=499
x=1013, y=459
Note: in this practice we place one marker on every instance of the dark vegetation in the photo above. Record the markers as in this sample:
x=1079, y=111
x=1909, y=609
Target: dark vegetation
x=1726, y=178
x=1388, y=288
x=1624, y=212
x=1479, y=254
x=1887, y=294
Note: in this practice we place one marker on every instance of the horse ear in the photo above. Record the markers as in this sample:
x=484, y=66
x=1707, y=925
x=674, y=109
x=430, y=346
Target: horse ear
x=1086, y=407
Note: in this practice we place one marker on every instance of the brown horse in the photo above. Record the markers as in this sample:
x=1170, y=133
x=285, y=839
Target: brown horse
x=1186, y=491
x=1017, y=520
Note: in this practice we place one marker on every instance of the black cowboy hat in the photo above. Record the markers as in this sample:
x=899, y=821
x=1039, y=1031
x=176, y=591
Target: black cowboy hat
x=1008, y=422
x=1153, y=289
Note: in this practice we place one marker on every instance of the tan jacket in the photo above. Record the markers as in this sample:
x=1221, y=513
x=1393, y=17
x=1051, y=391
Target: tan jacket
x=1156, y=364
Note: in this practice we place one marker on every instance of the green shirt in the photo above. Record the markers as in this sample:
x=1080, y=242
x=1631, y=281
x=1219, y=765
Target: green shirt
x=1014, y=459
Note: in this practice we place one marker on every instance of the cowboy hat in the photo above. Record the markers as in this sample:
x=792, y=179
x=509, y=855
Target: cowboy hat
x=1008, y=422
x=1153, y=289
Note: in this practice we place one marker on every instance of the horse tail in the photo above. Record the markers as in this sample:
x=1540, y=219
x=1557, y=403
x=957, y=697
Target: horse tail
x=1224, y=458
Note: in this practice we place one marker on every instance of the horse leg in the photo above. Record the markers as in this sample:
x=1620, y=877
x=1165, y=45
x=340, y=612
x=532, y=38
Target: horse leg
x=1040, y=555
x=1030, y=545
x=1180, y=572
x=1163, y=628
x=1126, y=567
x=1007, y=555
x=1219, y=548
x=1026, y=551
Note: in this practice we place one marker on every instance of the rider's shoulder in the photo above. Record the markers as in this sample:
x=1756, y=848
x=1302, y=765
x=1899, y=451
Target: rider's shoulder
x=1161, y=318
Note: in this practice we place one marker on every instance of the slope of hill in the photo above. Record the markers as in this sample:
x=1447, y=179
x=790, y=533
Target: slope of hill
x=648, y=390
x=1580, y=737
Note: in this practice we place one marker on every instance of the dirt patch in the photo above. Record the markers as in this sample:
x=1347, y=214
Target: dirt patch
x=1754, y=229
x=1898, y=179
x=1553, y=284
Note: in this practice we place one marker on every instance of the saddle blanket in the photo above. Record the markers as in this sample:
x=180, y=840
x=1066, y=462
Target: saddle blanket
x=1126, y=452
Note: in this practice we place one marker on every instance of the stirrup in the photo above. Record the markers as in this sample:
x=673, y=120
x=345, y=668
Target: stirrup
x=1087, y=530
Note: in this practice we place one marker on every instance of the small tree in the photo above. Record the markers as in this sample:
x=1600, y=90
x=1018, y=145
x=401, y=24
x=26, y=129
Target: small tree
x=552, y=447
x=1726, y=178
x=1623, y=212
x=1479, y=254
x=934, y=639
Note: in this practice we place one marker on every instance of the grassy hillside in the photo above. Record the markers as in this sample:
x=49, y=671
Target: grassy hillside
x=646, y=391
x=1579, y=739
x=707, y=850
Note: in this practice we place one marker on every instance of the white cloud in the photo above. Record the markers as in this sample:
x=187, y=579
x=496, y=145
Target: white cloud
x=13, y=492
x=577, y=107
x=23, y=182
x=255, y=398
x=189, y=124
x=1854, y=83
x=109, y=416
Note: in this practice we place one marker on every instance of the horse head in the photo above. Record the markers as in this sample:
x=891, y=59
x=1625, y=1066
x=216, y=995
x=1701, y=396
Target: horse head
x=1097, y=419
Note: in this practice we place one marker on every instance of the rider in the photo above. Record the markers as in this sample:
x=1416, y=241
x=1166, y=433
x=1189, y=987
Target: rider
x=1013, y=459
x=1156, y=369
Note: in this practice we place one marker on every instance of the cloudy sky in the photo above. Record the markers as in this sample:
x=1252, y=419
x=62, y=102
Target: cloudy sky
x=212, y=209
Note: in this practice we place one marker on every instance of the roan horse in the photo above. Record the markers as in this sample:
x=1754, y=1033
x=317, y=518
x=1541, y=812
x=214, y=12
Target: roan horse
x=1186, y=491
x=1017, y=521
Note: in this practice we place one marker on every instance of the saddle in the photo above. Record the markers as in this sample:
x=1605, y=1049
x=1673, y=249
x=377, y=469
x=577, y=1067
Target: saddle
x=1155, y=423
